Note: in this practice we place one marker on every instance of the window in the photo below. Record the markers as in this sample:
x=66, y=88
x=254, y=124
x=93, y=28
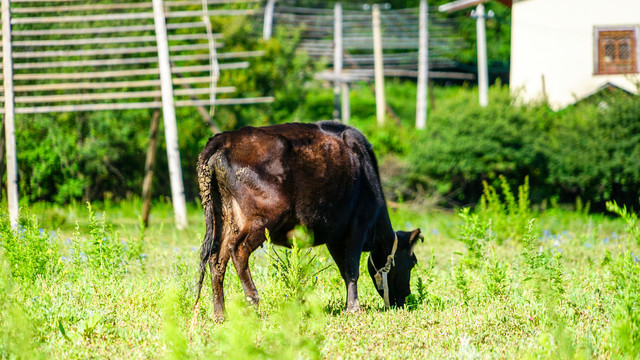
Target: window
x=616, y=50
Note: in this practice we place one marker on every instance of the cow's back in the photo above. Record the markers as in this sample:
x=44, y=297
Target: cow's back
x=309, y=174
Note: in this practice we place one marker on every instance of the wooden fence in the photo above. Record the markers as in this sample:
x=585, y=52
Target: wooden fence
x=413, y=42
x=78, y=55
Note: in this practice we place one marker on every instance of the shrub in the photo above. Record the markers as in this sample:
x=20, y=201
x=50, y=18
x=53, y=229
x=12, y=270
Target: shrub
x=466, y=144
x=102, y=252
x=592, y=152
x=510, y=214
x=625, y=283
x=295, y=270
x=31, y=251
x=629, y=217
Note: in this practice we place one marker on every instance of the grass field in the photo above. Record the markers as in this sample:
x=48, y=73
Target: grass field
x=84, y=283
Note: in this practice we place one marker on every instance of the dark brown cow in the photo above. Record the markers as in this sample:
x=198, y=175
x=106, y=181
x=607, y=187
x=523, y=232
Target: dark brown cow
x=323, y=176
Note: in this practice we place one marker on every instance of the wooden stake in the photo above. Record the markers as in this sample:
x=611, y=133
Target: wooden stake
x=268, y=20
x=2, y=147
x=423, y=68
x=169, y=115
x=149, y=165
x=337, y=58
x=378, y=65
x=346, y=104
x=9, y=115
x=483, y=76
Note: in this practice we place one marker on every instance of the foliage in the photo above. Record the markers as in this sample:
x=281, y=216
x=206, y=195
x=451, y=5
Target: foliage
x=633, y=226
x=295, y=269
x=474, y=234
x=544, y=268
x=591, y=150
x=583, y=152
x=102, y=251
x=465, y=145
x=625, y=284
x=31, y=252
x=508, y=213
x=520, y=299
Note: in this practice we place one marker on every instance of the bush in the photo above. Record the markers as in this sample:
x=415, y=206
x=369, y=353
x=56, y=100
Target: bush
x=102, y=252
x=593, y=151
x=584, y=153
x=466, y=145
x=31, y=251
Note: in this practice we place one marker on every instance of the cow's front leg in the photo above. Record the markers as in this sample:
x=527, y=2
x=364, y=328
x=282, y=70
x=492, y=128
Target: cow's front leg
x=240, y=257
x=348, y=262
x=218, y=267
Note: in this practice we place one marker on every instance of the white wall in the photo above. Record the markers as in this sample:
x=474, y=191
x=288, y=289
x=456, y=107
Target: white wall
x=555, y=38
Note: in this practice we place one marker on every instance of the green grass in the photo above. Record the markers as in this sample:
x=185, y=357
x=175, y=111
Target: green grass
x=567, y=287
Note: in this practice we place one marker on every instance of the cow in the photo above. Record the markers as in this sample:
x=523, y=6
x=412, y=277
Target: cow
x=323, y=176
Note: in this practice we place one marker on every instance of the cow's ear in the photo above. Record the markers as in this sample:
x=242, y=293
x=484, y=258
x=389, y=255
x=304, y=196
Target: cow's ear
x=415, y=236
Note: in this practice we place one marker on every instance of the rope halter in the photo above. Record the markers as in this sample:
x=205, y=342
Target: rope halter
x=381, y=274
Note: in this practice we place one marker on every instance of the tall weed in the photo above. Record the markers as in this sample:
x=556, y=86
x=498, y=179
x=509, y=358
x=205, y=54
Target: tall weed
x=296, y=269
x=17, y=340
x=30, y=251
x=630, y=218
x=475, y=234
x=625, y=284
x=102, y=252
x=544, y=270
x=509, y=213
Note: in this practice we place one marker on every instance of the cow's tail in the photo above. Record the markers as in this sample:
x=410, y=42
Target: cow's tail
x=207, y=184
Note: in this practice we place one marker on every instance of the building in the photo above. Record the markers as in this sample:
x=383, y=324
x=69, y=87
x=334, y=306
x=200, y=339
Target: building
x=565, y=50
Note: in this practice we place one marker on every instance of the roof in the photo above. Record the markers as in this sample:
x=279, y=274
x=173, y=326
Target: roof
x=464, y=4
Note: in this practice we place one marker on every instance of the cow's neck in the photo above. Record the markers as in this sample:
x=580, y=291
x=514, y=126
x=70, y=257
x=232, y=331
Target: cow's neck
x=383, y=240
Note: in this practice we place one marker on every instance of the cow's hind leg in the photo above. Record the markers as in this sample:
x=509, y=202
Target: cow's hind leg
x=240, y=257
x=218, y=267
x=348, y=261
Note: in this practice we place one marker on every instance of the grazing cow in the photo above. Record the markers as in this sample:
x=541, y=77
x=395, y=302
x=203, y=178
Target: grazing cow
x=323, y=176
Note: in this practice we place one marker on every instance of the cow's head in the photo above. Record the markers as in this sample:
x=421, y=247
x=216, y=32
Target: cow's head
x=399, y=276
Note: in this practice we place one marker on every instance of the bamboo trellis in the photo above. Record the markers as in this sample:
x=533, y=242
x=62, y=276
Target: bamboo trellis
x=104, y=56
x=80, y=55
x=400, y=38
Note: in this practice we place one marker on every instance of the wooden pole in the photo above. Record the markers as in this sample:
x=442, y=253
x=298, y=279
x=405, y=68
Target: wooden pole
x=9, y=115
x=346, y=104
x=149, y=165
x=378, y=66
x=423, y=68
x=169, y=115
x=267, y=28
x=337, y=58
x=483, y=78
x=2, y=147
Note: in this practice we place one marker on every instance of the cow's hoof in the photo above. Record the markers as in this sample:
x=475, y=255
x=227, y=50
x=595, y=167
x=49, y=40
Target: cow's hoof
x=219, y=319
x=354, y=309
x=253, y=300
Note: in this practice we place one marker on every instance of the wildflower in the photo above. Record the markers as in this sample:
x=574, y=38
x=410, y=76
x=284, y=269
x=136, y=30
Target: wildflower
x=435, y=231
x=605, y=240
